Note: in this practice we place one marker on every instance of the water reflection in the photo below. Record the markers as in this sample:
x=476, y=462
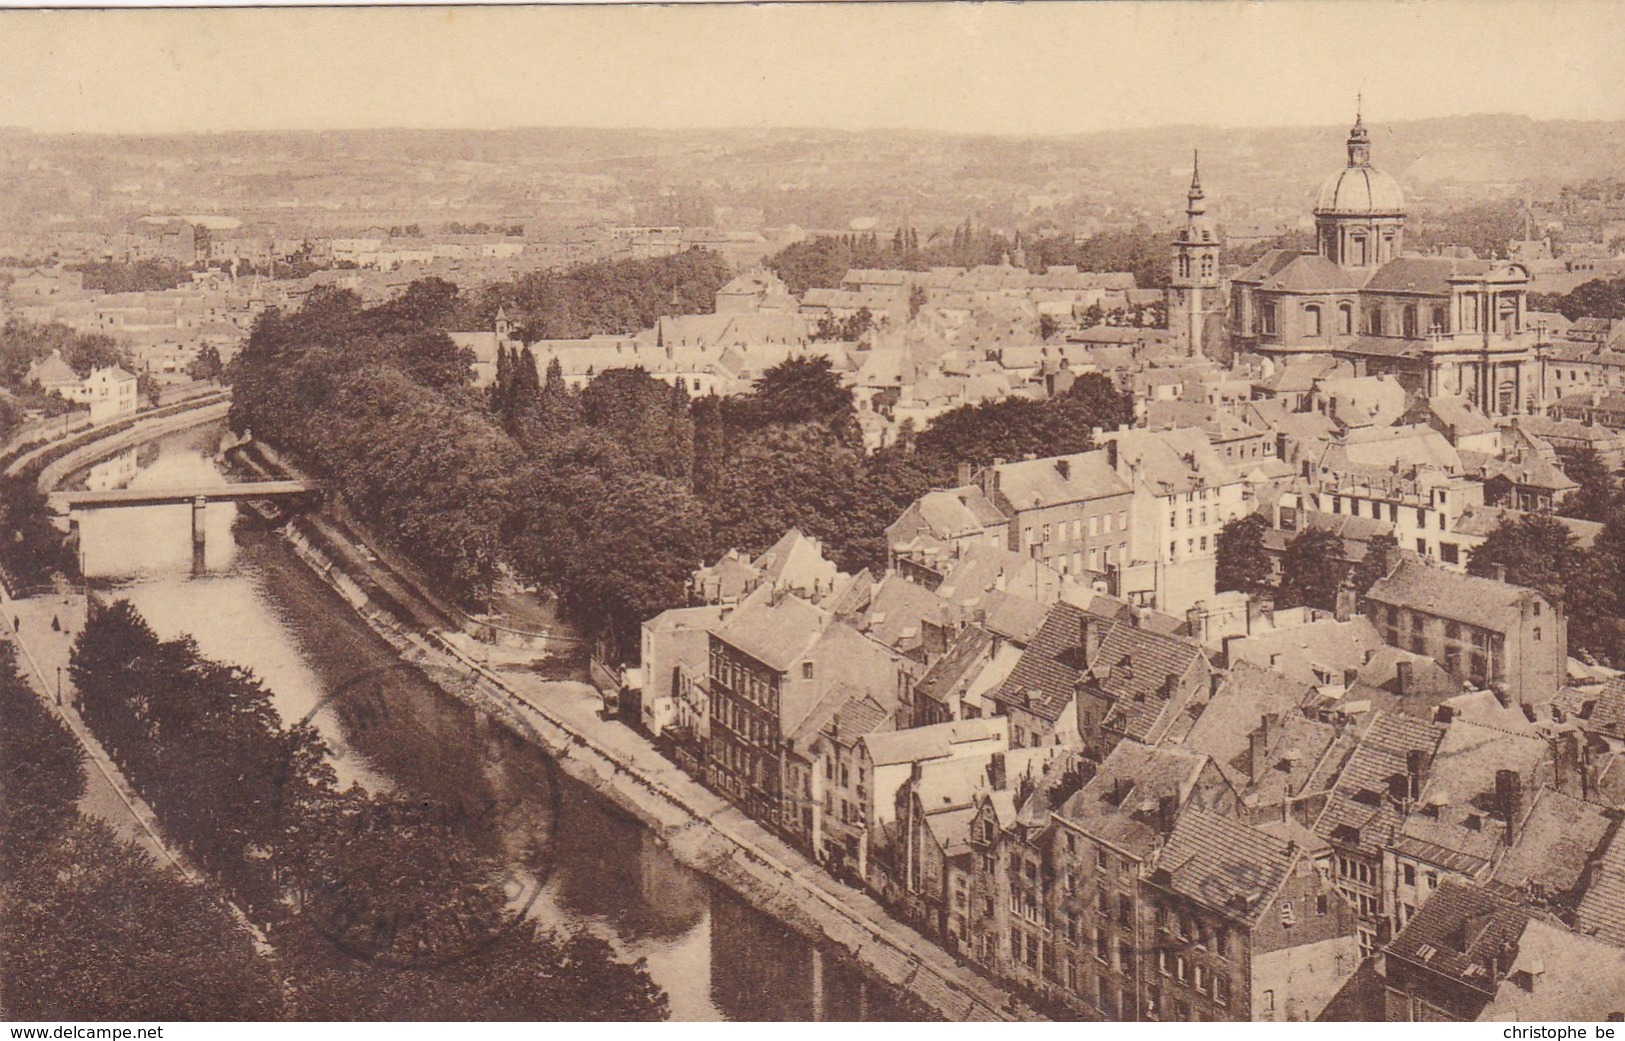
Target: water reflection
x=391, y=729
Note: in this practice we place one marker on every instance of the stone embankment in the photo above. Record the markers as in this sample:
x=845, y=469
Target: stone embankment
x=701, y=829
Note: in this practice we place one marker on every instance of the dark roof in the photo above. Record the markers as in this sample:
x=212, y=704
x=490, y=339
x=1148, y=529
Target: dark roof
x=1267, y=265
x=1133, y=663
x=1045, y=677
x=1434, y=591
x=1121, y=803
x=1309, y=273
x=1422, y=274
x=1602, y=908
x=967, y=652
x=1598, y=710
x=1361, y=813
x=1224, y=864
x=1555, y=843
x=1465, y=933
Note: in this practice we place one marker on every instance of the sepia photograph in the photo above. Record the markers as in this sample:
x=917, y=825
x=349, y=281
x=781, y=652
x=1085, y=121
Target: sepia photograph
x=812, y=512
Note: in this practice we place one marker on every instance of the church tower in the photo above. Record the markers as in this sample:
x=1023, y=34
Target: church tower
x=1195, y=300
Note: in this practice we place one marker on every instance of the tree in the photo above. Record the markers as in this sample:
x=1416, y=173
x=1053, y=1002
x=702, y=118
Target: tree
x=1537, y=551
x=1380, y=553
x=1241, y=563
x=1598, y=496
x=207, y=364
x=1312, y=571
x=804, y=389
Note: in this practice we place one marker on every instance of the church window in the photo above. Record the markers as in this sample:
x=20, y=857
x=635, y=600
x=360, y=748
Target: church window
x=1345, y=319
x=1373, y=321
x=1361, y=256
x=1311, y=320
x=1408, y=320
x=1184, y=265
x=1440, y=319
x=1266, y=313
x=1207, y=265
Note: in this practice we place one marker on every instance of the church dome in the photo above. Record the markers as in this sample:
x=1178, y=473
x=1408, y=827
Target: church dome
x=1360, y=189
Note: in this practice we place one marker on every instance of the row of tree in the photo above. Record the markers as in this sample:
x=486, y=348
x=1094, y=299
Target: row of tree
x=90, y=927
x=376, y=908
x=611, y=494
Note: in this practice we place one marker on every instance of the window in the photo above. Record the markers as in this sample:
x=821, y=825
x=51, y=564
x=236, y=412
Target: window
x=1448, y=553
x=1200, y=978
x=1408, y=320
x=1345, y=319
x=1536, y=634
x=1410, y=874
x=1320, y=904
x=1373, y=321
x=1102, y=858
x=1266, y=315
x=1267, y=1002
x=806, y=670
x=1221, y=989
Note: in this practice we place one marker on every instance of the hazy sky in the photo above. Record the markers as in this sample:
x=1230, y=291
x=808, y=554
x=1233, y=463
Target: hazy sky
x=1003, y=68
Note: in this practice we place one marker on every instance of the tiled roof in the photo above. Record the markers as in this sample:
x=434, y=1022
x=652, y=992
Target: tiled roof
x=1463, y=932
x=1224, y=864
x=1602, y=909
x=916, y=744
x=1555, y=843
x=1036, y=483
x=1596, y=710
x=1458, y=824
x=1132, y=663
x=1046, y=675
x=1309, y=273
x=967, y=652
x=1361, y=814
x=1423, y=274
x=1575, y=979
x=1434, y=591
x=776, y=634
x=1120, y=804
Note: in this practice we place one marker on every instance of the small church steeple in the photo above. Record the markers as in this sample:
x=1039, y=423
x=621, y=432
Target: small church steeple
x=1359, y=143
x=1196, y=200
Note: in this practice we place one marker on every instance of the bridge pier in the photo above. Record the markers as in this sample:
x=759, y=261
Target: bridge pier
x=200, y=513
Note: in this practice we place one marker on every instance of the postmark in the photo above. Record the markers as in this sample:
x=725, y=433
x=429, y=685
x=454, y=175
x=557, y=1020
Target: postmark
x=429, y=871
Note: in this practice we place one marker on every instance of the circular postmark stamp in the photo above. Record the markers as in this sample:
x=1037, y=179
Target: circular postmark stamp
x=444, y=841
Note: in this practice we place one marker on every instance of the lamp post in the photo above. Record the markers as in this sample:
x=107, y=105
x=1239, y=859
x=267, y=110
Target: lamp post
x=59, y=686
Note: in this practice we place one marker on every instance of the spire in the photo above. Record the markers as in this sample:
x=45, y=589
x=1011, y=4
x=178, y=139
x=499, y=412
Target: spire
x=1197, y=199
x=1359, y=143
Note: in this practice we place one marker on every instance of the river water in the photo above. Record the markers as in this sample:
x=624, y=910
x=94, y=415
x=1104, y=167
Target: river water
x=250, y=601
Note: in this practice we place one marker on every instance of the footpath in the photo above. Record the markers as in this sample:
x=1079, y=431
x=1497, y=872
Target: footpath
x=702, y=829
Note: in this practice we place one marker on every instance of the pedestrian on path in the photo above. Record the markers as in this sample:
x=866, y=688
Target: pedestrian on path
x=56, y=624
x=16, y=624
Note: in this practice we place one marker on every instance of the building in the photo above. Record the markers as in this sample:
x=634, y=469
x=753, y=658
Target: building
x=1195, y=294
x=1245, y=924
x=1071, y=512
x=1482, y=631
x=111, y=393
x=1439, y=324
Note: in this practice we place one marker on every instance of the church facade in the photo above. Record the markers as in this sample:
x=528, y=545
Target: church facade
x=1438, y=324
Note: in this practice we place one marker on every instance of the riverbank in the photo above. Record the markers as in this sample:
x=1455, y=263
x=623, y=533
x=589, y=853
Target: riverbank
x=701, y=830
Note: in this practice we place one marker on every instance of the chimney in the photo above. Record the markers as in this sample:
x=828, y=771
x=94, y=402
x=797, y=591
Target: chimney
x=1343, y=609
x=1258, y=748
x=996, y=772
x=1170, y=683
x=1350, y=677
x=964, y=474
x=1167, y=810
x=1063, y=466
x=1416, y=769
x=1093, y=631
x=1402, y=678
x=1498, y=572
x=1193, y=622
x=1111, y=453
x=1509, y=800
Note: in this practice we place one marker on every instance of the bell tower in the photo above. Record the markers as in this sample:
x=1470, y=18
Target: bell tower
x=1195, y=300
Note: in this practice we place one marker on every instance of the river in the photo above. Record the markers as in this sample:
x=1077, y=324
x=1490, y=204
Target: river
x=250, y=601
